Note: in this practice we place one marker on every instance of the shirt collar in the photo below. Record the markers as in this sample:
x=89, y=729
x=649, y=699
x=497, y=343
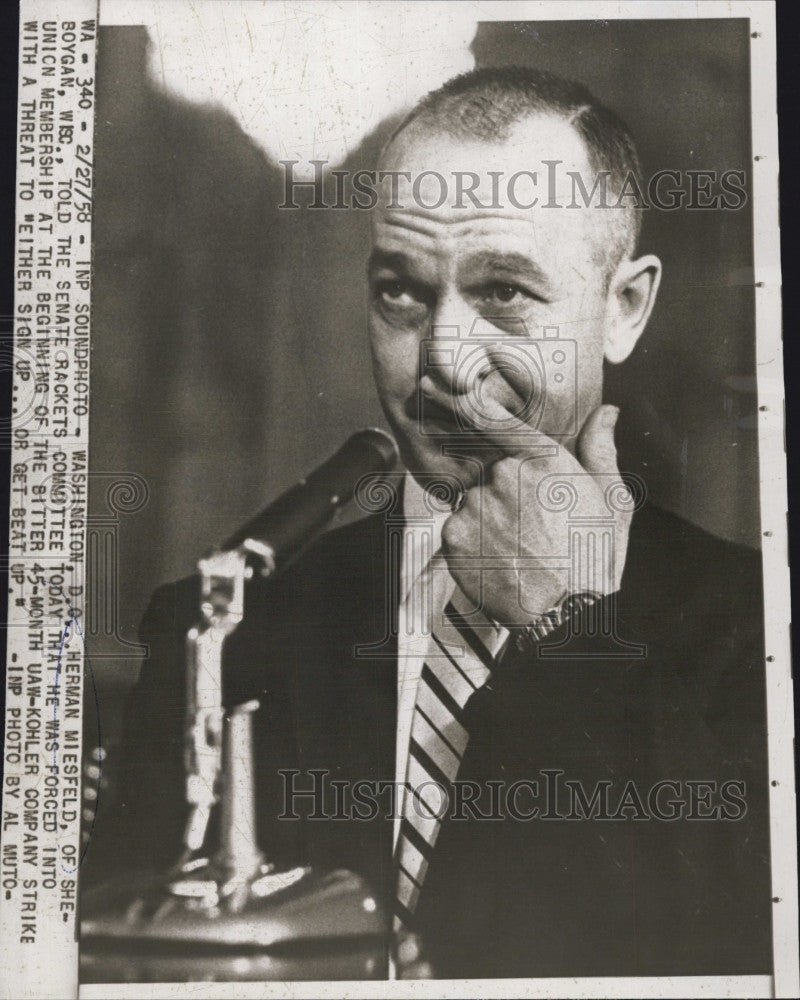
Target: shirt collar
x=422, y=533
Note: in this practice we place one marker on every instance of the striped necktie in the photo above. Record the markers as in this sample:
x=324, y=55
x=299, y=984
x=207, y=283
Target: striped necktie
x=459, y=660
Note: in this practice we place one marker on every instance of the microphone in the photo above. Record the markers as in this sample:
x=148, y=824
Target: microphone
x=289, y=523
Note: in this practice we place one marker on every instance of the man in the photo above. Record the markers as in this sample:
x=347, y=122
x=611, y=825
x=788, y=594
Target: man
x=539, y=636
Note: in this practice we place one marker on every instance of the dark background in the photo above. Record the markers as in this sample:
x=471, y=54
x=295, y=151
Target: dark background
x=229, y=338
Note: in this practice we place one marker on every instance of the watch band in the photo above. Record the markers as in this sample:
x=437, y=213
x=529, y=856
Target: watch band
x=529, y=636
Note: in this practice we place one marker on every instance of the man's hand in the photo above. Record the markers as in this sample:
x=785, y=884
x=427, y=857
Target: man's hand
x=545, y=522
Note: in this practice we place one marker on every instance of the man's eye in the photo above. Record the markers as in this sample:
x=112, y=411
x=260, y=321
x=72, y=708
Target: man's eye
x=397, y=296
x=503, y=294
x=395, y=291
x=400, y=302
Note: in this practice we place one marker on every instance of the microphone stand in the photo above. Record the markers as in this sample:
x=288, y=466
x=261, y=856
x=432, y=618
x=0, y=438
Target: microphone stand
x=218, y=753
x=234, y=915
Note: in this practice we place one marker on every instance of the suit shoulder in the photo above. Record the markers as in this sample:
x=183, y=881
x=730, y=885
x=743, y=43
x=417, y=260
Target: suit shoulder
x=668, y=551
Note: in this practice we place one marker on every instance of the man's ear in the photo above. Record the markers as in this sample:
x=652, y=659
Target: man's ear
x=631, y=296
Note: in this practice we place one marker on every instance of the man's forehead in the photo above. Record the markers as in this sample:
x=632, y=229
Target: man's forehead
x=532, y=145
x=434, y=164
x=438, y=181
x=432, y=249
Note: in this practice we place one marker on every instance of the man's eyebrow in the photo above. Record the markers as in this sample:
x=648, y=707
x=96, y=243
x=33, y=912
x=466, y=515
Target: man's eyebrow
x=506, y=263
x=389, y=259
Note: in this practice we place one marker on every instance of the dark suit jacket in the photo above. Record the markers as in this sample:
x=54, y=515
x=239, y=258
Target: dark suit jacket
x=506, y=897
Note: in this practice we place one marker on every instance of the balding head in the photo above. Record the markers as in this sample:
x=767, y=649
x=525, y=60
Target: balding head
x=488, y=106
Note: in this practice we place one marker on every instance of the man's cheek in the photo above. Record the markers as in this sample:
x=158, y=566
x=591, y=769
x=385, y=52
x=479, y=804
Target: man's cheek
x=555, y=411
x=389, y=374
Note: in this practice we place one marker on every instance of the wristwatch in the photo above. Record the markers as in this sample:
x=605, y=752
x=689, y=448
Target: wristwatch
x=529, y=636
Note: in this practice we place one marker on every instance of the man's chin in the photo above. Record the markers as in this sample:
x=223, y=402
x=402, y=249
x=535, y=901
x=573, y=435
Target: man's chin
x=451, y=458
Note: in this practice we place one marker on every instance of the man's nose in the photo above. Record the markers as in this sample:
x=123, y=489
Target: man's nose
x=453, y=357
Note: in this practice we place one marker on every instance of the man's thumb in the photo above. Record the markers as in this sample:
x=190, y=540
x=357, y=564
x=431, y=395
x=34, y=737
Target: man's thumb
x=596, y=450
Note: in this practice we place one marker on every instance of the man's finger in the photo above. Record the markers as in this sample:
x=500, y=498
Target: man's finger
x=511, y=359
x=484, y=414
x=596, y=449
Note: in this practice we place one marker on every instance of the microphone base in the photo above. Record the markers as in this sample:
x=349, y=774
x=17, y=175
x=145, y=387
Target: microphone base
x=295, y=925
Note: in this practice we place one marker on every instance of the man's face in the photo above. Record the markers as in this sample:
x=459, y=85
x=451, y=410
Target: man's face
x=472, y=306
